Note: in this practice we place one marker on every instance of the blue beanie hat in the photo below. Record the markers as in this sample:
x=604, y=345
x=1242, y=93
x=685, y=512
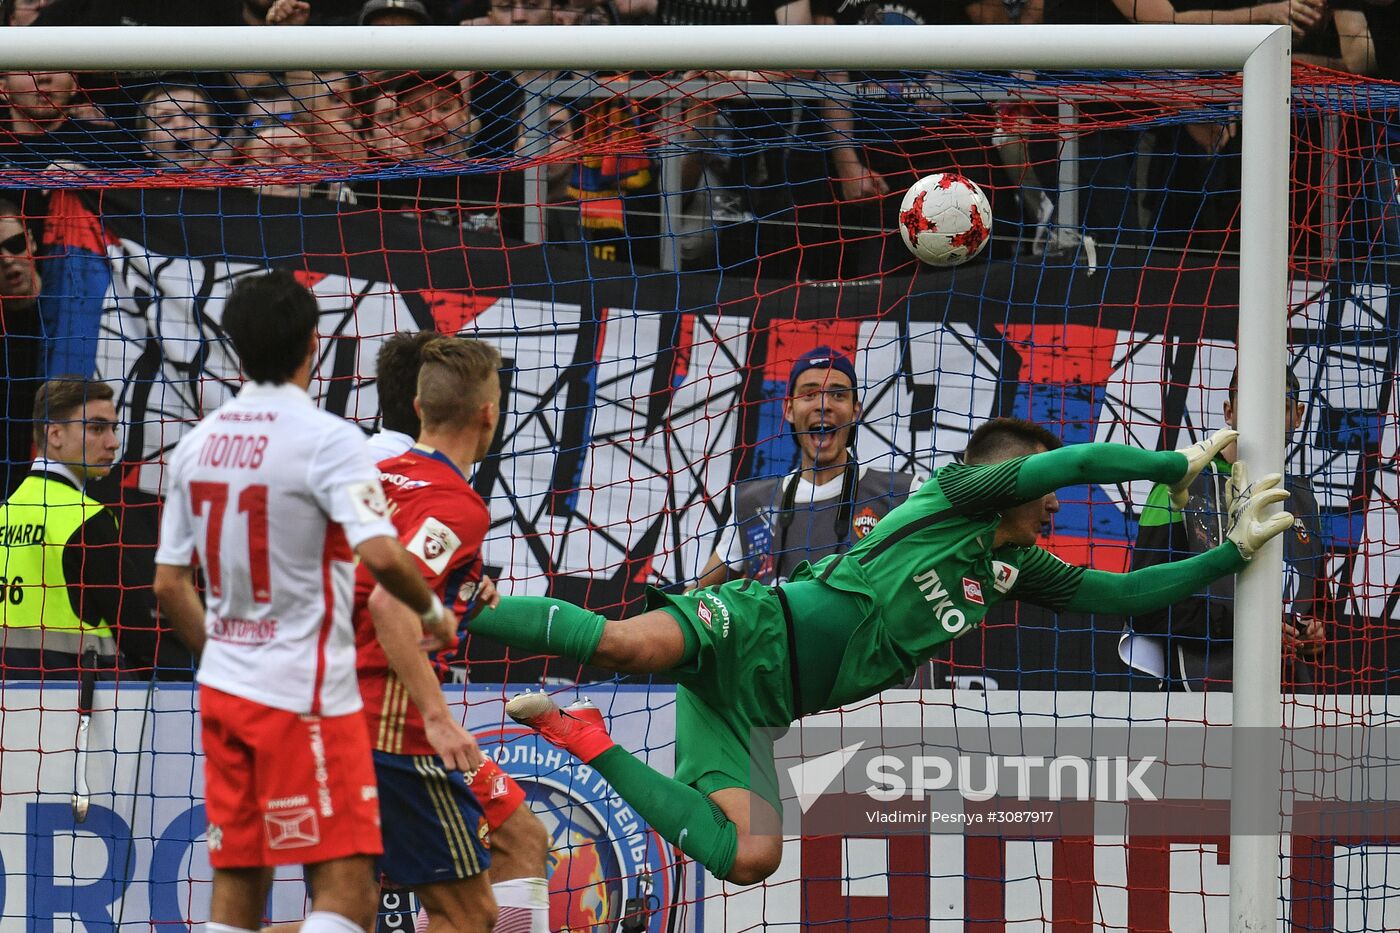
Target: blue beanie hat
x=821, y=358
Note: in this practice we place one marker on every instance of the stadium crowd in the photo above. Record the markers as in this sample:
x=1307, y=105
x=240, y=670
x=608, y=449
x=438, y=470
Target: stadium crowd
x=810, y=188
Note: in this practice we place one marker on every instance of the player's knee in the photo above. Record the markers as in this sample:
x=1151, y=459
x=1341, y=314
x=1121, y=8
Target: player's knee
x=519, y=847
x=362, y=908
x=482, y=919
x=485, y=916
x=467, y=906
x=346, y=887
x=620, y=648
x=531, y=838
x=750, y=872
x=756, y=860
x=644, y=644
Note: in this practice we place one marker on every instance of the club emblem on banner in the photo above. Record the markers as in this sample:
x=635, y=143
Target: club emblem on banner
x=603, y=861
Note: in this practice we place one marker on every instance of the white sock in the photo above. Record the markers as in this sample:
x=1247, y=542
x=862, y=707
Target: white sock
x=212, y=927
x=523, y=904
x=323, y=921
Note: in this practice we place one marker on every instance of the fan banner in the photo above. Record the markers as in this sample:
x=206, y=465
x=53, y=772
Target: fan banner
x=635, y=398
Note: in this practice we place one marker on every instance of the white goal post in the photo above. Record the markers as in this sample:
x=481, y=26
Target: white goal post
x=1261, y=52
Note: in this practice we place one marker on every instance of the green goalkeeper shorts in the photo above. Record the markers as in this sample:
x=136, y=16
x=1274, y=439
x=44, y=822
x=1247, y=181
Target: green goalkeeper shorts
x=739, y=682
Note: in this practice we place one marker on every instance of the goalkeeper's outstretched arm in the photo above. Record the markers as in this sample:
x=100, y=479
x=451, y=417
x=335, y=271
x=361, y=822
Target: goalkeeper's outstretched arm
x=1078, y=464
x=1022, y=479
x=1155, y=587
x=1050, y=582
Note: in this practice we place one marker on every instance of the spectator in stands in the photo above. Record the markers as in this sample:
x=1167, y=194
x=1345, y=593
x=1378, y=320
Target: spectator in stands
x=395, y=13
x=420, y=115
x=21, y=12
x=498, y=102
x=51, y=124
x=1383, y=31
x=38, y=101
x=424, y=117
x=330, y=114
x=22, y=362
x=263, y=94
x=280, y=142
x=766, y=182
x=1192, y=195
x=828, y=503
x=919, y=138
x=1378, y=211
x=1189, y=646
x=432, y=115
x=276, y=12
x=203, y=13
x=65, y=573
x=530, y=13
x=604, y=175
x=140, y=13
x=179, y=126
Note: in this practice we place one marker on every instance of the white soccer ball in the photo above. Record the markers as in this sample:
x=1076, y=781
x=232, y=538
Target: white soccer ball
x=945, y=220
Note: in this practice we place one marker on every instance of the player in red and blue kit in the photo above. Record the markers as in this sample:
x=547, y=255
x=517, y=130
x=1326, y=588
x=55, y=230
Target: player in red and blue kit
x=440, y=799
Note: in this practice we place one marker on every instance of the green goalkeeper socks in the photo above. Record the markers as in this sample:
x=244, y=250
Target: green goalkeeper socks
x=542, y=625
x=680, y=813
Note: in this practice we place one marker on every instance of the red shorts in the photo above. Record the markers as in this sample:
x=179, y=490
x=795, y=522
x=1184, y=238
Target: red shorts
x=497, y=792
x=285, y=789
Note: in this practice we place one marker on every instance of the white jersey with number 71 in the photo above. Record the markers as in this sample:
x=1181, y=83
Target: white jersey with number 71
x=269, y=495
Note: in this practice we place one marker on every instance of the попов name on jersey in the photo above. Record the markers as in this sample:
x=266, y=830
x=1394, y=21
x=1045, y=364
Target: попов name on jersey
x=233, y=451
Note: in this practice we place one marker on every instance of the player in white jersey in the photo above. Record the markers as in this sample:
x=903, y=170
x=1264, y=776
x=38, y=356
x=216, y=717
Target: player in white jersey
x=270, y=496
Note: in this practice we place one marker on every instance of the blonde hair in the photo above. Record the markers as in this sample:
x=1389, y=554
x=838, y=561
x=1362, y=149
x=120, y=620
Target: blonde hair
x=453, y=379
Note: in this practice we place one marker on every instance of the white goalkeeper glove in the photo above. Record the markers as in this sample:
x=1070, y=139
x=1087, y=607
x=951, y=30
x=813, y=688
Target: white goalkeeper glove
x=1249, y=526
x=1198, y=456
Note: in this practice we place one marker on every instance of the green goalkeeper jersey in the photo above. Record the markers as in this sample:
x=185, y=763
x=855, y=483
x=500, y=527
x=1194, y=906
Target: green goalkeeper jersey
x=928, y=573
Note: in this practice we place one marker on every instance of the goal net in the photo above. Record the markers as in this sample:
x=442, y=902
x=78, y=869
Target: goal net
x=652, y=252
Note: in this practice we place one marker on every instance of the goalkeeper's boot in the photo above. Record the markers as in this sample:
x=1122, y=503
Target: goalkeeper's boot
x=578, y=728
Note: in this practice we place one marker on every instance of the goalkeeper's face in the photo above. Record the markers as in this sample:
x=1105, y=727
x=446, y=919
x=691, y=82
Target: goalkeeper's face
x=1025, y=523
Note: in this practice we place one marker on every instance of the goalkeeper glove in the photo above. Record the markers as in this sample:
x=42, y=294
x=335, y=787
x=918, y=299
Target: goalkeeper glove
x=1198, y=455
x=1250, y=528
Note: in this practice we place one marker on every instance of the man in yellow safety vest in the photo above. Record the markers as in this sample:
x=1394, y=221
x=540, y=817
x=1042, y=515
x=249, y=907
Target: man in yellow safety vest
x=60, y=561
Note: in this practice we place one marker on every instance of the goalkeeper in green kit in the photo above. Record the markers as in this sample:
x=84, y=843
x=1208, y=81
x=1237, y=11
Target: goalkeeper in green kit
x=750, y=657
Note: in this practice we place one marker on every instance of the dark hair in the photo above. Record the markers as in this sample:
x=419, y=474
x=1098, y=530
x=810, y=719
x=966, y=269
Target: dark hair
x=172, y=90
x=58, y=399
x=27, y=208
x=270, y=318
x=398, y=82
x=450, y=382
x=1003, y=438
x=1289, y=380
x=397, y=379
